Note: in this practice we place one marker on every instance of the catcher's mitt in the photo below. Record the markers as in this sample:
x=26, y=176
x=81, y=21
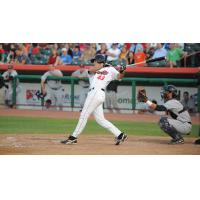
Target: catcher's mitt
x=141, y=96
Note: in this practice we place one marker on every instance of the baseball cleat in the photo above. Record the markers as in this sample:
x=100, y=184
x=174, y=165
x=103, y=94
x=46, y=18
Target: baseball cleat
x=177, y=141
x=121, y=138
x=197, y=141
x=71, y=140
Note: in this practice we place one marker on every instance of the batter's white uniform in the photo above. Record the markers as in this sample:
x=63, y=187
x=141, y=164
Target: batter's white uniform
x=95, y=99
x=83, y=84
x=55, y=87
x=9, y=91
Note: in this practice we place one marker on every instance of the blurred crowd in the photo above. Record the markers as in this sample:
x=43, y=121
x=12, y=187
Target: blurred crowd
x=177, y=54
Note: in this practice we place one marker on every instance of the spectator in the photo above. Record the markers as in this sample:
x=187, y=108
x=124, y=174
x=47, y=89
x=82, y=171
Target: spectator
x=113, y=54
x=159, y=52
x=174, y=55
x=135, y=47
x=65, y=58
x=140, y=57
x=193, y=59
x=2, y=54
x=11, y=55
x=88, y=54
x=130, y=58
x=20, y=57
x=54, y=59
x=123, y=55
x=111, y=96
x=69, y=51
x=76, y=54
x=35, y=50
x=103, y=49
x=188, y=103
x=81, y=74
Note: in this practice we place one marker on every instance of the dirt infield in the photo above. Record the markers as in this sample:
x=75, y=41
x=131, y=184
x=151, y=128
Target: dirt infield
x=49, y=144
x=92, y=145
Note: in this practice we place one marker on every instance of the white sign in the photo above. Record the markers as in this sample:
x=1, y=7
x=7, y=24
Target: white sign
x=28, y=95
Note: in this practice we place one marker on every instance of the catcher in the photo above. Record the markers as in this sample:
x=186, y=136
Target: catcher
x=179, y=123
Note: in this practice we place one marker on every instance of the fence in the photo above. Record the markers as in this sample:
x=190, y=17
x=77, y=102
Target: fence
x=132, y=81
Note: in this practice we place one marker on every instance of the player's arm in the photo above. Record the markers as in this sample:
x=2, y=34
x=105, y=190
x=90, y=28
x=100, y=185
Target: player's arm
x=141, y=97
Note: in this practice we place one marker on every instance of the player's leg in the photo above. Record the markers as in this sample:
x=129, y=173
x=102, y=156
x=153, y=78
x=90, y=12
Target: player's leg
x=6, y=97
x=92, y=101
x=182, y=128
x=100, y=119
x=82, y=98
x=108, y=101
x=168, y=128
x=59, y=96
x=18, y=91
x=114, y=101
x=53, y=98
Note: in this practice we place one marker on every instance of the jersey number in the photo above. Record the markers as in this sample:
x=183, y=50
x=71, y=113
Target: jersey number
x=101, y=77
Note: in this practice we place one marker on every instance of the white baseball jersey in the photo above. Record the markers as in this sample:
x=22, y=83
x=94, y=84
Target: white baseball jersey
x=80, y=74
x=54, y=84
x=103, y=77
x=95, y=99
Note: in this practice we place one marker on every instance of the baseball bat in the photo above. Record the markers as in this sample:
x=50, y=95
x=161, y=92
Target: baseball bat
x=148, y=61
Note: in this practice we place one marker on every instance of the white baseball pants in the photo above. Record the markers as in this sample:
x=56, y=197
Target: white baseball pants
x=94, y=104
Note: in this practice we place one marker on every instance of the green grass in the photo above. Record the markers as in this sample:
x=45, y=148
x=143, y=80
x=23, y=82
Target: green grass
x=17, y=125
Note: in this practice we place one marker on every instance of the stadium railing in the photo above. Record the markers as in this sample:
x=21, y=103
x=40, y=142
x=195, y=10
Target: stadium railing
x=133, y=81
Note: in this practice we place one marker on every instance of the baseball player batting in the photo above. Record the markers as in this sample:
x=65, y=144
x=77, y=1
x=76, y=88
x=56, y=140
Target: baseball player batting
x=180, y=122
x=99, y=77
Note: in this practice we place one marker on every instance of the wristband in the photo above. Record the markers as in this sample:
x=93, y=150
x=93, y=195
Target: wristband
x=149, y=103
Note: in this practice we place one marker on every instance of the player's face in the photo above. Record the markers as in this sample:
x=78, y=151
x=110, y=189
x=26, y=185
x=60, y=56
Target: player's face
x=98, y=64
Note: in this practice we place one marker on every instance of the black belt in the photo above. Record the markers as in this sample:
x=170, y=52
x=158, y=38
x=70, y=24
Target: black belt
x=190, y=123
x=85, y=86
x=93, y=89
x=55, y=88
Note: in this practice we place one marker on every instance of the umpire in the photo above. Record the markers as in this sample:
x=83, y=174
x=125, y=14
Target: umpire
x=179, y=123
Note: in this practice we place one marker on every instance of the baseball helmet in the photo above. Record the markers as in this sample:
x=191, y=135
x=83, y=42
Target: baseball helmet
x=169, y=89
x=99, y=58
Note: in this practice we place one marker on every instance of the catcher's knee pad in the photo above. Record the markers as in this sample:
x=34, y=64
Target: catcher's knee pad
x=165, y=125
x=167, y=128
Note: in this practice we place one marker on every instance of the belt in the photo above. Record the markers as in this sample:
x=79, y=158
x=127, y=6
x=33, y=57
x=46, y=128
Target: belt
x=85, y=86
x=55, y=88
x=190, y=123
x=93, y=89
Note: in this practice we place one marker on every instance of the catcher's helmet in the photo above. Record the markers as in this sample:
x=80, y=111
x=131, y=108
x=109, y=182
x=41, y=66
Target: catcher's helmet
x=169, y=89
x=99, y=58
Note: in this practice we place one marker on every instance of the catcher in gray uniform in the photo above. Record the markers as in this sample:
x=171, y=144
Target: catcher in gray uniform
x=180, y=122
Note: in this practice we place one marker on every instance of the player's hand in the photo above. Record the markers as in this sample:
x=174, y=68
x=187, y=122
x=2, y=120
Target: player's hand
x=141, y=96
x=122, y=68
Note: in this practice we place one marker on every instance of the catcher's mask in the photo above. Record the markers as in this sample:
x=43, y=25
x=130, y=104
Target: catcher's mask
x=168, y=89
